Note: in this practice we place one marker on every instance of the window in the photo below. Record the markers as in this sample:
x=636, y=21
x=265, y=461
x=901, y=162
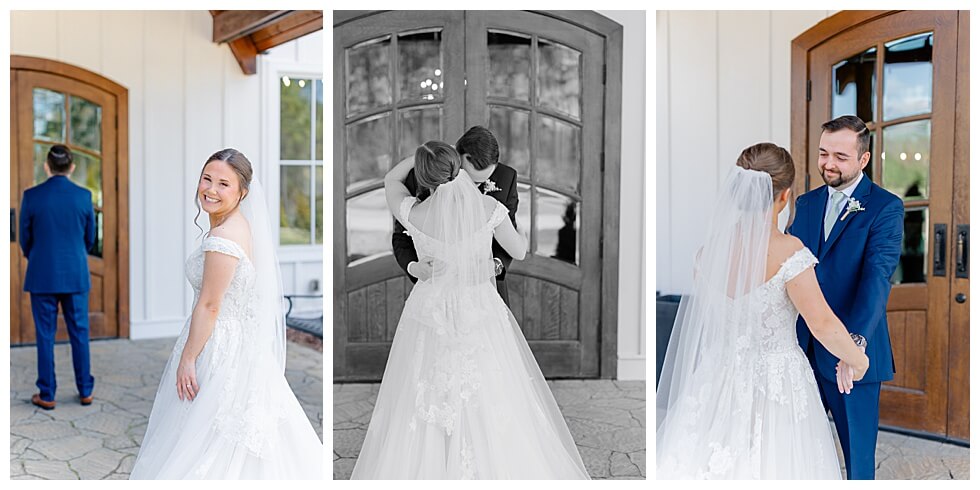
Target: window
x=300, y=161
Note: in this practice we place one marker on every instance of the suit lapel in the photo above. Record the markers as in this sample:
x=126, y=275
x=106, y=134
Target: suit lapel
x=860, y=194
x=813, y=217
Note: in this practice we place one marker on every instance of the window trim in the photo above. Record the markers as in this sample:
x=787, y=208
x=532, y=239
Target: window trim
x=271, y=72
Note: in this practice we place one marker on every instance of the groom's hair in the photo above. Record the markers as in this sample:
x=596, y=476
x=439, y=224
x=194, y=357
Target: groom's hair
x=60, y=159
x=855, y=124
x=481, y=146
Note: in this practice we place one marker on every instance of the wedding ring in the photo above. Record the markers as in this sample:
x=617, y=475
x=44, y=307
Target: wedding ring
x=188, y=386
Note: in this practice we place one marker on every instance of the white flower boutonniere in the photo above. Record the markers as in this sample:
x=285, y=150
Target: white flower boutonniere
x=853, y=206
x=490, y=186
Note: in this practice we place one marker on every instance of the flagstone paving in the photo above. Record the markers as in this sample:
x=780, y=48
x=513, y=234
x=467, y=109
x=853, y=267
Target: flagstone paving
x=607, y=419
x=101, y=441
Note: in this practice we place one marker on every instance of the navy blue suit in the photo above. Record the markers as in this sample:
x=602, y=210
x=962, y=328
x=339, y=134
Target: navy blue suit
x=857, y=261
x=57, y=229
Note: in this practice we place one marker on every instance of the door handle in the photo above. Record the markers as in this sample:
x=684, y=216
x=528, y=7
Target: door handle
x=963, y=251
x=13, y=226
x=939, y=250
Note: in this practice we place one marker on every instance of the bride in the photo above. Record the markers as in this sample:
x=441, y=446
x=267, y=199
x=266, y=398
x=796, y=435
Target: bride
x=462, y=396
x=223, y=409
x=737, y=397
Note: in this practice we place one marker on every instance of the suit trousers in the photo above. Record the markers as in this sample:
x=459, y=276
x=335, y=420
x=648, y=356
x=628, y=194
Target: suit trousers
x=74, y=306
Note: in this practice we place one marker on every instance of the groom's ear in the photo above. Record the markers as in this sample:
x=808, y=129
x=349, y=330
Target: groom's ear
x=865, y=158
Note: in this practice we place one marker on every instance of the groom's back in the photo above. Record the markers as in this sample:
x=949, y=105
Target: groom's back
x=57, y=230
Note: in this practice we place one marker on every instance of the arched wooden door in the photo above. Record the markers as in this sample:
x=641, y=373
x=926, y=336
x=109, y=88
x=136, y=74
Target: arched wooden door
x=537, y=82
x=53, y=103
x=904, y=74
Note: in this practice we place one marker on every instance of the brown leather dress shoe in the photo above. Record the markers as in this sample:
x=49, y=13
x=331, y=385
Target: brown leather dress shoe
x=36, y=400
x=85, y=400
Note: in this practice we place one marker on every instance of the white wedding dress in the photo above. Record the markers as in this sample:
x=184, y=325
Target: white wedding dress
x=737, y=397
x=462, y=396
x=245, y=423
x=779, y=428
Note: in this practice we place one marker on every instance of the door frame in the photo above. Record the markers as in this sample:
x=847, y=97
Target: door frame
x=121, y=94
x=956, y=404
x=610, y=164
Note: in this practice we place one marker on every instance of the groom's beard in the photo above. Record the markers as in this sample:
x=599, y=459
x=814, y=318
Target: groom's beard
x=840, y=180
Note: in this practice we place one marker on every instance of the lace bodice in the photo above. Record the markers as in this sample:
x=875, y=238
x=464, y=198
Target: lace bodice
x=778, y=329
x=237, y=300
x=428, y=247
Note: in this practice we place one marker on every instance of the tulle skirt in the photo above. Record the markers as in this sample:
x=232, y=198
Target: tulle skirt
x=245, y=422
x=764, y=420
x=463, y=398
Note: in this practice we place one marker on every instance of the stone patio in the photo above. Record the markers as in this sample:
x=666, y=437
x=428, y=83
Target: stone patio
x=607, y=420
x=101, y=441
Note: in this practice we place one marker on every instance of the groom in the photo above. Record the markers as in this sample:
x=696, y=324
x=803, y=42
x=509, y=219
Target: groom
x=854, y=227
x=479, y=152
x=57, y=229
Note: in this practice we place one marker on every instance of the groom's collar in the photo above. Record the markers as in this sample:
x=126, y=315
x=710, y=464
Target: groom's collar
x=849, y=191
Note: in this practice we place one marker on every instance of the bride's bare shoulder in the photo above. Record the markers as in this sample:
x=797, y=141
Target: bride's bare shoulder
x=781, y=247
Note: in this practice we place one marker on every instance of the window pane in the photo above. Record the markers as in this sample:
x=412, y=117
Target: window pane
x=40, y=155
x=420, y=66
x=510, y=65
x=854, y=86
x=513, y=130
x=88, y=174
x=559, y=85
x=915, y=244
x=319, y=204
x=294, y=205
x=319, y=120
x=295, y=97
x=368, y=84
x=368, y=150
x=524, y=208
x=368, y=226
x=416, y=127
x=49, y=115
x=905, y=162
x=86, y=124
x=908, y=77
x=558, y=154
x=557, y=226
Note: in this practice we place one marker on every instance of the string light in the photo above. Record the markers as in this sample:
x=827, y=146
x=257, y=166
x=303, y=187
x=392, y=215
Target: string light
x=302, y=83
x=285, y=81
x=903, y=156
x=438, y=72
x=918, y=156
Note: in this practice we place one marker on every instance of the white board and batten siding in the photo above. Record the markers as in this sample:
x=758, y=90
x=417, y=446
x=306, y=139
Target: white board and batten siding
x=723, y=84
x=187, y=98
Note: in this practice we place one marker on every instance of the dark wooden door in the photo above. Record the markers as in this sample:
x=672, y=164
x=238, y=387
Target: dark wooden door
x=898, y=71
x=404, y=77
x=397, y=83
x=51, y=105
x=536, y=82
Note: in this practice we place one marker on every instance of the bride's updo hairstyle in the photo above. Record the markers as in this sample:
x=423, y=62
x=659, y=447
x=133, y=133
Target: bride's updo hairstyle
x=238, y=163
x=773, y=160
x=435, y=164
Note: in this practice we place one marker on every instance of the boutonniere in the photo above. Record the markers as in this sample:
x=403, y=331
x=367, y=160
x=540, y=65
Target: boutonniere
x=853, y=206
x=490, y=186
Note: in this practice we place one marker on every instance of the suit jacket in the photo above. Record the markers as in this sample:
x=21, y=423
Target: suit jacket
x=57, y=229
x=506, y=179
x=857, y=261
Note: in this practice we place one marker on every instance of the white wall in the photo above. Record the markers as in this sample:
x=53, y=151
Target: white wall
x=723, y=83
x=631, y=335
x=187, y=98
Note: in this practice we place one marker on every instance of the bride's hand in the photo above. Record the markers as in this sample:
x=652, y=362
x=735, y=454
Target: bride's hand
x=187, y=387
x=845, y=378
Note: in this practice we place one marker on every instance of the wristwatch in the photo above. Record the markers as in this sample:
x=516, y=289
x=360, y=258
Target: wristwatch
x=498, y=266
x=859, y=340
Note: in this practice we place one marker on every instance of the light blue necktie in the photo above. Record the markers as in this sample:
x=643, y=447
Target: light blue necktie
x=832, y=212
